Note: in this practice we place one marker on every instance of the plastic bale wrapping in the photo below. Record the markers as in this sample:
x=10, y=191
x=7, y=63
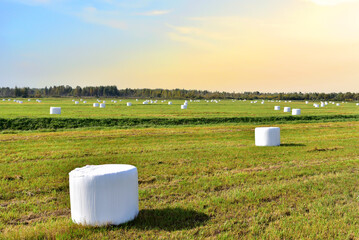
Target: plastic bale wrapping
x=276, y=108
x=296, y=112
x=267, y=136
x=169, y=103
x=104, y=194
x=102, y=105
x=286, y=109
x=55, y=110
x=183, y=106
x=76, y=102
x=129, y=104
x=96, y=105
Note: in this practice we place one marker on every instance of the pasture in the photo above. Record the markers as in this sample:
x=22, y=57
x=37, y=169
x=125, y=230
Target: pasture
x=195, y=182
x=224, y=108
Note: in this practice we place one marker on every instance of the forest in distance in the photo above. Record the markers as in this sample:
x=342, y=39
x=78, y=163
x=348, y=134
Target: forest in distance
x=113, y=91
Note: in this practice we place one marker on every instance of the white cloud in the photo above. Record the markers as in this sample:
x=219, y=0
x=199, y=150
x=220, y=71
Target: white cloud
x=106, y=18
x=154, y=13
x=331, y=2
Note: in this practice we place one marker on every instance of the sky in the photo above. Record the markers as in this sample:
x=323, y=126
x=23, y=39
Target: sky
x=217, y=45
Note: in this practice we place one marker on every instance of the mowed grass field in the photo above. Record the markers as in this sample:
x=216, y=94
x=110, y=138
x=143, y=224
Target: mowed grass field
x=224, y=108
x=202, y=182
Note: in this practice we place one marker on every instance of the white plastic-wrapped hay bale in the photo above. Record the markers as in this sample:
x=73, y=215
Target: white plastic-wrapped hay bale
x=183, y=106
x=276, y=108
x=185, y=103
x=357, y=104
x=316, y=105
x=103, y=101
x=76, y=102
x=104, y=194
x=145, y=102
x=129, y=104
x=102, y=105
x=84, y=101
x=286, y=109
x=267, y=136
x=95, y=105
x=169, y=103
x=306, y=102
x=55, y=110
x=296, y=111
x=338, y=104
x=29, y=100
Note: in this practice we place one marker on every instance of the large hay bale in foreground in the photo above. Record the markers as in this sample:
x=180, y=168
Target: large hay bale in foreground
x=104, y=194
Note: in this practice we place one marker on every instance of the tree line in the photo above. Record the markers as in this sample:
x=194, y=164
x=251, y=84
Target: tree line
x=113, y=91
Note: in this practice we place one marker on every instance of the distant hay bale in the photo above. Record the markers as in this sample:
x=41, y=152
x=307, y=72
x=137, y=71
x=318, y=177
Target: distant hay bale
x=267, y=136
x=129, y=104
x=183, y=106
x=55, y=110
x=169, y=103
x=296, y=111
x=76, y=102
x=102, y=105
x=95, y=105
x=276, y=108
x=286, y=109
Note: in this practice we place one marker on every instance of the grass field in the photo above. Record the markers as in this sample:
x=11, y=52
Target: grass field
x=225, y=108
x=196, y=181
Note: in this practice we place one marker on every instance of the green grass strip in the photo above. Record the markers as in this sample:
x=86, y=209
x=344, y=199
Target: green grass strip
x=61, y=123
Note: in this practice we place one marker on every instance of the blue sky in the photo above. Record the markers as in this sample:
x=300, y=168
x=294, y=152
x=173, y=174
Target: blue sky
x=230, y=45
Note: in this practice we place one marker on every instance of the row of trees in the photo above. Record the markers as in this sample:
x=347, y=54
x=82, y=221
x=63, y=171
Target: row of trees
x=113, y=91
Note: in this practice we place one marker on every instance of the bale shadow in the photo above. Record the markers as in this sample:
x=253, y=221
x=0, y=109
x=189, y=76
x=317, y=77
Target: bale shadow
x=168, y=219
x=292, y=145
